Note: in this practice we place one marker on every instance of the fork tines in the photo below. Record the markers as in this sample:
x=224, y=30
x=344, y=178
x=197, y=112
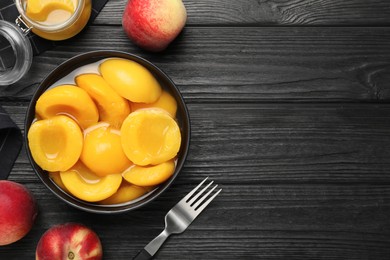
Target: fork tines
x=197, y=201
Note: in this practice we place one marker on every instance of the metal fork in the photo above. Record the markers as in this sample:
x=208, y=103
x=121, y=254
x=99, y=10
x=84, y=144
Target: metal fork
x=180, y=217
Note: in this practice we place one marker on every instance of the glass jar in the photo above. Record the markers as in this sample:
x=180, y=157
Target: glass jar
x=61, y=31
x=21, y=53
x=16, y=35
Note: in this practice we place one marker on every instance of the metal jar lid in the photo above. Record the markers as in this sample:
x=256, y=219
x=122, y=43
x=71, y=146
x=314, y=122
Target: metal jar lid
x=22, y=51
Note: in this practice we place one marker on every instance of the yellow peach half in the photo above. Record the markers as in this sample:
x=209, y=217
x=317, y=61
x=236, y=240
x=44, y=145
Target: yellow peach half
x=126, y=192
x=55, y=143
x=131, y=80
x=102, y=151
x=68, y=100
x=150, y=136
x=111, y=106
x=87, y=186
x=39, y=10
x=149, y=175
x=165, y=101
x=56, y=178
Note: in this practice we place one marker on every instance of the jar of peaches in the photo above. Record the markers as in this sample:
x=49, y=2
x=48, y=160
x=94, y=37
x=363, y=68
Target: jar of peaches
x=50, y=19
x=54, y=19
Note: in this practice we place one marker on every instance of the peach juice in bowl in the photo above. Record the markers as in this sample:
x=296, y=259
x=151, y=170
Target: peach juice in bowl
x=107, y=131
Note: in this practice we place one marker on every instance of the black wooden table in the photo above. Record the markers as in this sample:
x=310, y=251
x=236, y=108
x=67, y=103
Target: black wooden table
x=290, y=114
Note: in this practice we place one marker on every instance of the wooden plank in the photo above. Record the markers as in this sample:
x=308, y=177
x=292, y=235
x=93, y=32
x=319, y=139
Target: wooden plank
x=271, y=13
x=300, y=181
x=280, y=143
x=248, y=64
x=250, y=220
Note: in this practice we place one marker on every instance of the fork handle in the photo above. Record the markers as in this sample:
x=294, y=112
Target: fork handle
x=152, y=247
x=157, y=242
x=142, y=255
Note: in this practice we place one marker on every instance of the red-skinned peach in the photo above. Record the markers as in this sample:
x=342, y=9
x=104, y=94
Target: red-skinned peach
x=18, y=210
x=154, y=24
x=69, y=241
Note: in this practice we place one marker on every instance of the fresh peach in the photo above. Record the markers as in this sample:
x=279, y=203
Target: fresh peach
x=154, y=24
x=69, y=241
x=131, y=80
x=18, y=210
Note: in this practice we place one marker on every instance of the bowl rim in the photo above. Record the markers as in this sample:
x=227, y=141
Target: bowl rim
x=67, y=67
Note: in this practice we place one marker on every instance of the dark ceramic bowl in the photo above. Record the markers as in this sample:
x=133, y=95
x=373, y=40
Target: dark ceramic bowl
x=182, y=117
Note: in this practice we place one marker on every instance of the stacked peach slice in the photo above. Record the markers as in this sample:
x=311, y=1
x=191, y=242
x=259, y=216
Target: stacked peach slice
x=110, y=138
x=39, y=10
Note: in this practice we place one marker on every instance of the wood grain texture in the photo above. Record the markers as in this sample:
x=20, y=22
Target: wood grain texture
x=281, y=143
x=285, y=222
x=290, y=113
x=271, y=13
x=249, y=64
x=300, y=181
